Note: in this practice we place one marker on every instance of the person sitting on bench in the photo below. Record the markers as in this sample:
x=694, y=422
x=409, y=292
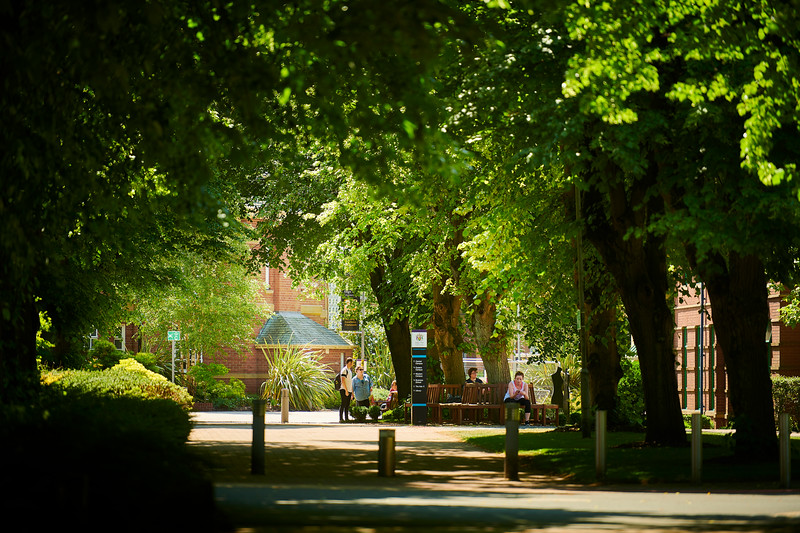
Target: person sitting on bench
x=518, y=393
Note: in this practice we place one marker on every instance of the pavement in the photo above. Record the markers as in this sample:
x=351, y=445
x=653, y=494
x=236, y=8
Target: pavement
x=321, y=475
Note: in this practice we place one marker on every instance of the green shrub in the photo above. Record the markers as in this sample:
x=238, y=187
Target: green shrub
x=786, y=398
x=127, y=379
x=374, y=412
x=206, y=387
x=359, y=413
x=104, y=355
x=395, y=415
x=148, y=360
x=705, y=421
x=299, y=370
x=98, y=453
x=630, y=395
x=380, y=394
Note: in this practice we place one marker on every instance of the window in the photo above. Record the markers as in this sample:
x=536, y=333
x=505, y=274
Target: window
x=266, y=277
x=119, y=338
x=93, y=336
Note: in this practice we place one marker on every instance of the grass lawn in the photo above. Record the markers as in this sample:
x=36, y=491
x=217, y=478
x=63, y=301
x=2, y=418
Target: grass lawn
x=566, y=454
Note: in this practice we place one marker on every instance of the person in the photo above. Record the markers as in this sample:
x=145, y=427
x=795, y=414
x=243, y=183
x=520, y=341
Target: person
x=362, y=388
x=346, y=390
x=518, y=392
x=473, y=376
x=558, y=389
x=391, y=401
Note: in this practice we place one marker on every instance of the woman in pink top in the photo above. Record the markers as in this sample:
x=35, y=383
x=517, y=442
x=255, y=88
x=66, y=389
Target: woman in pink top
x=518, y=392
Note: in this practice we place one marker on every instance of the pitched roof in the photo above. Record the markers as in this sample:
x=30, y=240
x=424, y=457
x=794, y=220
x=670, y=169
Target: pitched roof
x=293, y=328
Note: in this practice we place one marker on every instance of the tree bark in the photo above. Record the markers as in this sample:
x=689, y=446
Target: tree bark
x=398, y=331
x=447, y=332
x=604, y=367
x=740, y=310
x=19, y=323
x=492, y=344
x=638, y=263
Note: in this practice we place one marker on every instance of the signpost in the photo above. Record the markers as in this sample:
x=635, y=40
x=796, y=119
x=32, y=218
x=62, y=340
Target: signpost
x=419, y=377
x=173, y=336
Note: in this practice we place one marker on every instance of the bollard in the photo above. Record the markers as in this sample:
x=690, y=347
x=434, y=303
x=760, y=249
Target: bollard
x=257, y=455
x=284, y=406
x=697, y=448
x=386, y=453
x=785, y=450
x=512, y=442
x=600, y=445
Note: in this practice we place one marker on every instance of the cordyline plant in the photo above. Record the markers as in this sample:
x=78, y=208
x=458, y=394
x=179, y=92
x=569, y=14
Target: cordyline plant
x=299, y=370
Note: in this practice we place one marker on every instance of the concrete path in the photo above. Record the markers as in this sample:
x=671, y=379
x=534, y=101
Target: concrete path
x=322, y=476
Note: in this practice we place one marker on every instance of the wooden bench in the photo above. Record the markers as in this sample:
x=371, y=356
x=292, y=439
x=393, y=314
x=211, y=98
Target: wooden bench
x=540, y=409
x=436, y=394
x=480, y=399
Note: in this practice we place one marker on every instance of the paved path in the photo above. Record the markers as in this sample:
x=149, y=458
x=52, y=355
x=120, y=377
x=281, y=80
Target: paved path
x=322, y=476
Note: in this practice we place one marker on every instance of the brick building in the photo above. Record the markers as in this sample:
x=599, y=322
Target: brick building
x=693, y=324
x=303, y=319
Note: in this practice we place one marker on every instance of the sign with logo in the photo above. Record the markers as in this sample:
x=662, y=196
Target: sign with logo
x=419, y=377
x=173, y=335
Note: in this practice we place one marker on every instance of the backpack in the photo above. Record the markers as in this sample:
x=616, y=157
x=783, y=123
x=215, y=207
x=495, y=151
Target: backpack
x=337, y=382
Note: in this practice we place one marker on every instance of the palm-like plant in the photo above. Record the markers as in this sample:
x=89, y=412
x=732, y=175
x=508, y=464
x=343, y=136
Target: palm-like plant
x=299, y=370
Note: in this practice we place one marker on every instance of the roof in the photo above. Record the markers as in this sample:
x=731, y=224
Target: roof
x=293, y=328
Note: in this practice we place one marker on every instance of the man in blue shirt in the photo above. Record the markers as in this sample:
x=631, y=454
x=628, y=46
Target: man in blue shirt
x=362, y=387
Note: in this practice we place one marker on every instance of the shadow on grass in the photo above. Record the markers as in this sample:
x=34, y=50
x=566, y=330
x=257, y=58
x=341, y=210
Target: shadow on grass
x=629, y=460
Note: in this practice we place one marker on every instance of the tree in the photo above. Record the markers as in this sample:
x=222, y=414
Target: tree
x=114, y=113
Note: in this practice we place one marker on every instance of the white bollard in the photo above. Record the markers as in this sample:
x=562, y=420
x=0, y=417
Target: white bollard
x=697, y=448
x=284, y=406
x=600, y=444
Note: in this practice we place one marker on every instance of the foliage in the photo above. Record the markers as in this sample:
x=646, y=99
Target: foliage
x=359, y=413
x=380, y=366
x=104, y=355
x=127, y=379
x=299, y=370
x=213, y=303
x=207, y=383
x=143, y=441
x=705, y=421
x=395, y=415
x=379, y=394
x=149, y=361
x=630, y=408
x=786, y=395
x=374, y=412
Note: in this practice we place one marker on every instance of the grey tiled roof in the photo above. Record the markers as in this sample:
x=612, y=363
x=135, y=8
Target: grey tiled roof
x=290, y=327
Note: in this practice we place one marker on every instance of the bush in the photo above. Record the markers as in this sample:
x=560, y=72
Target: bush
x=98, y=453
x=205, y=387
x=148, y=360
x=786, y=398
x=374, y=412
x=359, y=413
x=127, y=379
x=630, y=395
x=705, y=421
x=104, y=355
x=395, y=415
x=300, y=371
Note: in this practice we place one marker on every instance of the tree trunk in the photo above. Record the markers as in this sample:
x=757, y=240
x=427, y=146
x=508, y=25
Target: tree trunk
x=398, y=332
x=604, y=368
x=740, y=310
x=447, y=333
x=492, y=344
x=19, y=323
x=639, y=266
